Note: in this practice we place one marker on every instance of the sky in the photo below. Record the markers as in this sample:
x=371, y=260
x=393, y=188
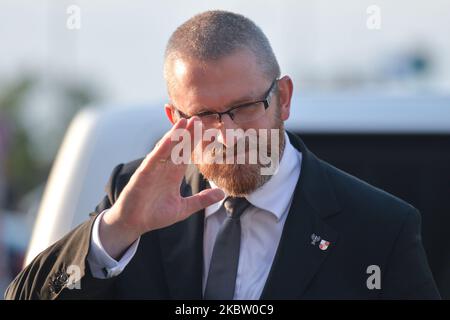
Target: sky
x=119, y=46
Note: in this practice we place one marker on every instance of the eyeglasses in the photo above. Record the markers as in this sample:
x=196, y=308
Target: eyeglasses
x=239, y=114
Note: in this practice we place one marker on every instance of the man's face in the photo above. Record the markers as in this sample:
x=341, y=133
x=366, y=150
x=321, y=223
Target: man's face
x=217, y=86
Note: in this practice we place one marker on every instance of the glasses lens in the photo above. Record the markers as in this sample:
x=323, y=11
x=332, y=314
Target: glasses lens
x=209, y=119
x=249, y=113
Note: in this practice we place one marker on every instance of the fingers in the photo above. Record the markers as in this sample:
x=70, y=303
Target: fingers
x=164, y=145
x=200, y=201
x=181, y=133
x=196, y=131
x=183, y=129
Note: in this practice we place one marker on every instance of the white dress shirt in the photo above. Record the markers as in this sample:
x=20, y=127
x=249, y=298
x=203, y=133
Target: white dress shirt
x=261, y=226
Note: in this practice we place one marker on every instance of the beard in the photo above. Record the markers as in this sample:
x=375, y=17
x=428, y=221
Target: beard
x=239, y=180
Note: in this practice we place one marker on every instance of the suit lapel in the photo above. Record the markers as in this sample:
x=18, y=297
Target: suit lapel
x=298, y=257
x=182, y=246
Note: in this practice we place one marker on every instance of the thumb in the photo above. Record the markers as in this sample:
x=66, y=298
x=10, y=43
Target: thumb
x=201, y=200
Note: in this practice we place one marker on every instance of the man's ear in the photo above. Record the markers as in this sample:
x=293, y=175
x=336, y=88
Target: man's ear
x=169, y=113
x=285, y=90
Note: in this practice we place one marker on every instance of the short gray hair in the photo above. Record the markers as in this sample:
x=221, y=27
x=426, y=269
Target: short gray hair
x=212, y=35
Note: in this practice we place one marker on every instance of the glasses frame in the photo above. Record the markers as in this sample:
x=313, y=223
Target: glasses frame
x=265, y=101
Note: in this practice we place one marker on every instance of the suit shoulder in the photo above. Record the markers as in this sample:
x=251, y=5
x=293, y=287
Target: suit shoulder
x=119, y=178
x=130, y=167
x=360, y=196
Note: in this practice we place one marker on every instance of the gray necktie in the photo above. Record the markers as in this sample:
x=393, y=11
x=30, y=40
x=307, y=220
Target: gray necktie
x=225, y=256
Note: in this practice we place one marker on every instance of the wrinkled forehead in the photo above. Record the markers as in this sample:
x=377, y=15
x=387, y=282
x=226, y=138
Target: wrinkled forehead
x=198, y=86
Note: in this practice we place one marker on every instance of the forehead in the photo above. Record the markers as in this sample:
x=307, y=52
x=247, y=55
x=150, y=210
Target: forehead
x=215, y=85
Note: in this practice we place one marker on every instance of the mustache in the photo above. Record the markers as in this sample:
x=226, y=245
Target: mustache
x=242, y=145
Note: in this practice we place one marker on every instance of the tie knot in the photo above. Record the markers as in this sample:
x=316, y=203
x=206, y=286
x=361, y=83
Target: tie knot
x=235, y=206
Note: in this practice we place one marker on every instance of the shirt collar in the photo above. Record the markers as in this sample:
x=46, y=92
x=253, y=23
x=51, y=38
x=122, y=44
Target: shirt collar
x=275, y=195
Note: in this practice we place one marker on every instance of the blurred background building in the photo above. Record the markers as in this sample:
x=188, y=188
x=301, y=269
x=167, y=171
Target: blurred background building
x=52, y=66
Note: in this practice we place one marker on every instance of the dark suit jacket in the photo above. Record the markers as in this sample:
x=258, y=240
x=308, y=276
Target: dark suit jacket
x=364, y=225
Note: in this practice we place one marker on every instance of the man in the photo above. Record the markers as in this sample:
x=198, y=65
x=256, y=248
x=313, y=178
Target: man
x=306, y=231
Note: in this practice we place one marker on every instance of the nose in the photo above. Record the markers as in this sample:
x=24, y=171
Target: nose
x=224, y=125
